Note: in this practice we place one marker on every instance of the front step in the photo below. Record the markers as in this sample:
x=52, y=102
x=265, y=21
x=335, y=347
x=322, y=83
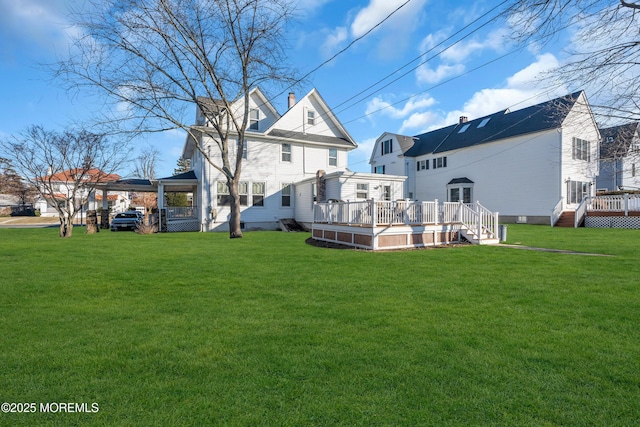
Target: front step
x=567, y=219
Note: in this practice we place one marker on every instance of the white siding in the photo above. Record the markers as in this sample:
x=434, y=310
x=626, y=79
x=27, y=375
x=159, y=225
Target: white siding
x=516, y=176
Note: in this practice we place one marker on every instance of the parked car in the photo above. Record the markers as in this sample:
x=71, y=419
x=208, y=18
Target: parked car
x=126, y=221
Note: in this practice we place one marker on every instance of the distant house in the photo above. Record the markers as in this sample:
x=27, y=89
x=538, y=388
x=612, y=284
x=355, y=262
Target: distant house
x=523, y=164
x=86, y=199
x=283, y=153
x=619, y=158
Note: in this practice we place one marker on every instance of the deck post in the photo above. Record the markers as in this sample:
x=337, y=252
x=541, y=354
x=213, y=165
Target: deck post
x=626, y=204
x=374, y=214
x=436, y=211
x=479, y=214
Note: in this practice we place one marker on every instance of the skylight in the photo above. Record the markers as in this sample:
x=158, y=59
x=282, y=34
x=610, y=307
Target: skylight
x=464, y=128
x=484, y=122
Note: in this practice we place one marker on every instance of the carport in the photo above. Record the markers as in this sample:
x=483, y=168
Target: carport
x=170, y=218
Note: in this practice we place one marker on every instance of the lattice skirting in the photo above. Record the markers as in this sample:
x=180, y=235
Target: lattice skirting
x=178, y=226
x=612, y=222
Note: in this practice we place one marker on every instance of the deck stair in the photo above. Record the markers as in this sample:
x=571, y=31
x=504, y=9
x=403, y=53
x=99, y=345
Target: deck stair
x=472, y=236
x=567, y=219
x=290, y=224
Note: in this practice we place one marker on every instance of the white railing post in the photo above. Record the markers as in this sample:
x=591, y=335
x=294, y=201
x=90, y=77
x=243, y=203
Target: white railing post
x=626, y=204
x=436, y=211
x=374, y=214
x=479, y=214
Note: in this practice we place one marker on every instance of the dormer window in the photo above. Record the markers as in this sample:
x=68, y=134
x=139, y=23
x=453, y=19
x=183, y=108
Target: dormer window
x=386, y=147
x=254, y=119
x=311, y=117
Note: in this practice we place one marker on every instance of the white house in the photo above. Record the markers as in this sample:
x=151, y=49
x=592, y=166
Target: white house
x=283, y=153
x=619, y=158
x=523, y=164
x=62, y=183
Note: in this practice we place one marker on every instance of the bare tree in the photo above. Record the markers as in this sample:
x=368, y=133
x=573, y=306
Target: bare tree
x=65, y=167
x=604, y=57
x=146, y=163
x=157, y=59
x=145, y=167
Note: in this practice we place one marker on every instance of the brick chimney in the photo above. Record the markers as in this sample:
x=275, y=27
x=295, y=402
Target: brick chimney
x=463, y=119
x=292, y=99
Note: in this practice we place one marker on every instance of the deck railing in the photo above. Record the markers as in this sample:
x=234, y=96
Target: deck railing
x=373, y=213
x=615, y=203
x=175, y=212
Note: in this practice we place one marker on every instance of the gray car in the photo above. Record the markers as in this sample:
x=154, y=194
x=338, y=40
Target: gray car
x=126, y=221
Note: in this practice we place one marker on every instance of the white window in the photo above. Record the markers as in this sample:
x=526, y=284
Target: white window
x=257, y=191
x=286, y=195
x=286, y=152
x=254, y=119
x=440, y=162
x=223, y=198
x=333, y=157
x=387, y=147
x=362, y=191
x=386, y=192
x=581, y=149
x=422, y=165
x=576, y=191
x=244, y=149
x=243, y=191
x=311, y=117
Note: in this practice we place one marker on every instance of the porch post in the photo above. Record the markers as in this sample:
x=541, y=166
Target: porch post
x=436, y=212
x=104, y=217
x=160, y=204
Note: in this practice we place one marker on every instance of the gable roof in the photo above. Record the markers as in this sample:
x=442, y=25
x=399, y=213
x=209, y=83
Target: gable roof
x=494, y=127
x=616, y=140
x=306, y=135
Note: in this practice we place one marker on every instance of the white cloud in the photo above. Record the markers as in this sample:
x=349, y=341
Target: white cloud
x=520, y=90
x=424, y=74
x=394, y=33
x=24, y=22
x=453, y=58
x=418, y=121
x=384, y=107
x=334, y=40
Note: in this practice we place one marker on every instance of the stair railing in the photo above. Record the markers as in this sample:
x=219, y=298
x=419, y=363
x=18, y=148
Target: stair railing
x=557, y=211
x=581, y=211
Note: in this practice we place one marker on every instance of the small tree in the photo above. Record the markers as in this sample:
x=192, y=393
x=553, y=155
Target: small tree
x=65, y=167
x=157, y=59
x=183, y=165
x=11, y=183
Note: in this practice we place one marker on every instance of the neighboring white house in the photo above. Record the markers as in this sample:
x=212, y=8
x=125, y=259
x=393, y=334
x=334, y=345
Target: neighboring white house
x=283, y=153
x=619, y=158
x=62, y=184
x=522, y=164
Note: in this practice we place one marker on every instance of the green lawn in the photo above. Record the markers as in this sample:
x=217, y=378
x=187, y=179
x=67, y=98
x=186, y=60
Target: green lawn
x=196, y=329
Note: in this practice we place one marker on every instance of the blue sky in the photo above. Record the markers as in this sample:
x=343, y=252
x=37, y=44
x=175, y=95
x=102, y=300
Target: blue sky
x=432, y=95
